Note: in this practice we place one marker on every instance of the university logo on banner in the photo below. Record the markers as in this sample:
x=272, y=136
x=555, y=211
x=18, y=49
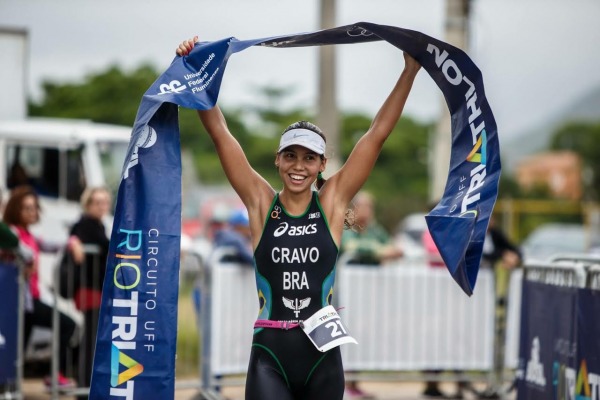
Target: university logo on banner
x=135, y=349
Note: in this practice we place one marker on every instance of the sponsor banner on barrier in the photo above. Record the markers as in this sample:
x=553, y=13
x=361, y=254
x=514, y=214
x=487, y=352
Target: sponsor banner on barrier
x=9, y=314
x=559, y=355
x=548, y=342
x=135, y=349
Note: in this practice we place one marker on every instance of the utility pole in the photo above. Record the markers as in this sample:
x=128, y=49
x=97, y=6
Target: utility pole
x=14, y=47
x=327, y=114
x=457, y=34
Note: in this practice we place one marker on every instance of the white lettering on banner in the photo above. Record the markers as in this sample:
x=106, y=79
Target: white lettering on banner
x=535, y=369
x=206, y=83
x=127, y=276
x=293, y=280
x=126, y=326
x=126, y=392
x=455, y=77
x=594, y=381
x=570, y=376
x=202, y=68
x=285, y=255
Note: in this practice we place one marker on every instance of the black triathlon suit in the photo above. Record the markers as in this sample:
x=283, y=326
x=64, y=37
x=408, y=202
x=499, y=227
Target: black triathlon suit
x=295, y=271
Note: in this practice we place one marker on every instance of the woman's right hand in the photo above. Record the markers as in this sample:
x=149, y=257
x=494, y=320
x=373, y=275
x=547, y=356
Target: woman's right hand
x=186, y=46
x=410, y=63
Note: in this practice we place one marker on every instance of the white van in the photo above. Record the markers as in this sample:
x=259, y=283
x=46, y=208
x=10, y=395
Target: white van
x=59, y=158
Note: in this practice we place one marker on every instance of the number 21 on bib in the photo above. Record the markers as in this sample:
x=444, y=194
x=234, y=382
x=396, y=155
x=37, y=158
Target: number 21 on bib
x=325, y=329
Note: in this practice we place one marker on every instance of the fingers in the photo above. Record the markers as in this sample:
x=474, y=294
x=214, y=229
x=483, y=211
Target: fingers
x=410, y=62
x=186, y=46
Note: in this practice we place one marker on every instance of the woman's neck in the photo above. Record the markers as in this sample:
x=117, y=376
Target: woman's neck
x=295, y=203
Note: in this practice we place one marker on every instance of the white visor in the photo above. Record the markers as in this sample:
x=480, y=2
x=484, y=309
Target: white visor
x=302, y=137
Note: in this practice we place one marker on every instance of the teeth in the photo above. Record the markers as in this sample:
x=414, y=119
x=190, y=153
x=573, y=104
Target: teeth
x=297, y=177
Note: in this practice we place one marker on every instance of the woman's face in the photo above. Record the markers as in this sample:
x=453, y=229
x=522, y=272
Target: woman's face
x=99, y=204
x=298, y=167
x=29, y=211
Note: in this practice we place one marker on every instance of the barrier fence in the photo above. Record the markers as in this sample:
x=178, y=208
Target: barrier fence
x=73, y=283
x=407, y=319
x=559, y=352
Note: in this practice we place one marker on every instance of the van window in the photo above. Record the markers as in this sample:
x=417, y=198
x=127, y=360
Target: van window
x=52, y=172
x=112, y=157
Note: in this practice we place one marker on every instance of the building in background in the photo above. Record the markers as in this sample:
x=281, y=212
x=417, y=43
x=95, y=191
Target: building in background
x=560, y=172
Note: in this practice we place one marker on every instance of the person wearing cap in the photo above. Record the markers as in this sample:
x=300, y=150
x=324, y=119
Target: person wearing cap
x=236, y=236
x=296, y=234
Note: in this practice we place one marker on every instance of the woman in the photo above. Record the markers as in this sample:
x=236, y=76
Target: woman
x=22, y=211
x=296, y=234
x=89, y=274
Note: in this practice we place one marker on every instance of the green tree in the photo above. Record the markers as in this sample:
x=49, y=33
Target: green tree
x=399, y=180
x=112, y=96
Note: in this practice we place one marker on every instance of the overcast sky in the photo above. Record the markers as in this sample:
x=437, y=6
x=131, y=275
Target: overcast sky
x=537, y=56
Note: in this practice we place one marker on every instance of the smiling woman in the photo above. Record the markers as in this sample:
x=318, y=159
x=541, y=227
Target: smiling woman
x=296, y=235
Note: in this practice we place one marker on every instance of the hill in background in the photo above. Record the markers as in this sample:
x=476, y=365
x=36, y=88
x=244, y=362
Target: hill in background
x=514, y=149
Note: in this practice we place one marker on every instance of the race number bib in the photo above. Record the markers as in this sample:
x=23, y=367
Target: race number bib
x=325, y=329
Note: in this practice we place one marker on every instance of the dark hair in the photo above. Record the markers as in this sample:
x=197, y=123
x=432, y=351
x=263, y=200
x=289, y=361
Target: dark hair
x=311, y=127
x=305, y=125
x=12, y=211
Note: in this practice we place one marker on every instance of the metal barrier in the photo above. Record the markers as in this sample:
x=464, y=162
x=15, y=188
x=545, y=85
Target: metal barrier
x=71, y=282
x=80, y=360
x=570, y=270
x=405, y=318
x=558, y=346
x=513, y=320
x=11, y=343
x=593, y=278
x=416, y=318
x=230, y=306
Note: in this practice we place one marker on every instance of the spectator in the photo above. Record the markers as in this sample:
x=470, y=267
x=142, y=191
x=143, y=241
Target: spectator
x=87, y=272
x=498, y=249
x=236, y=235
x=22, y=211
x=503, y=256
x=368, y=243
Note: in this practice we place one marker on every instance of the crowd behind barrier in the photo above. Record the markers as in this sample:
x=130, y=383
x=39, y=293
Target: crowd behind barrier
x=407, y=319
